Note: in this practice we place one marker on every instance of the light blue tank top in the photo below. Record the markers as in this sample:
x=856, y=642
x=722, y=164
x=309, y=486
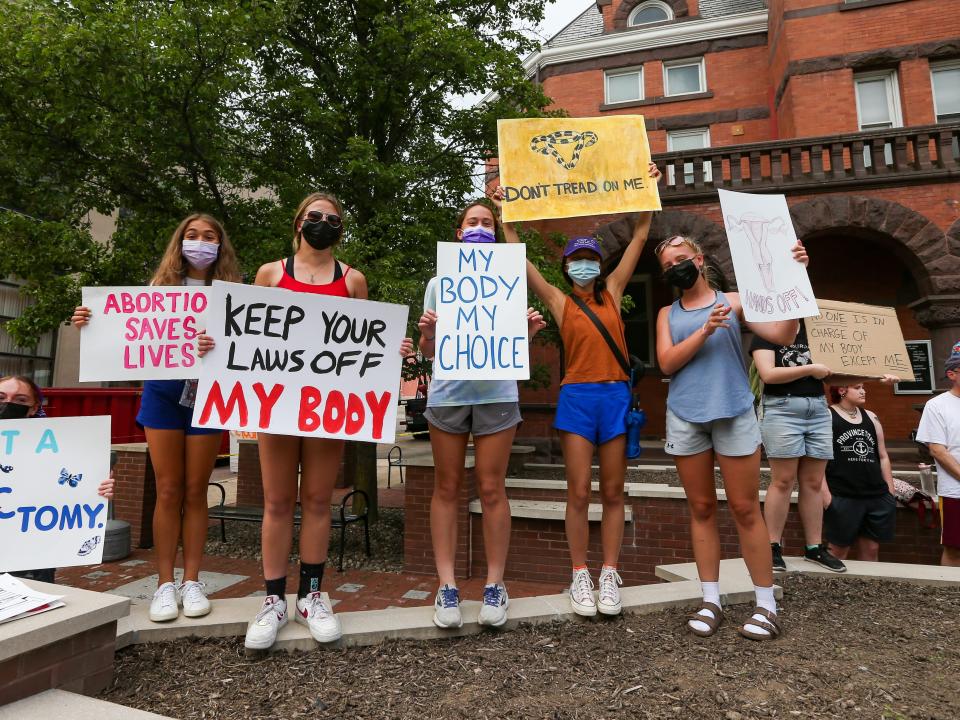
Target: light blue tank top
x=713, y=385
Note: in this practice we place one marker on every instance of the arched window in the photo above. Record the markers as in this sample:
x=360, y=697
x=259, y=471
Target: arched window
x=650, y=12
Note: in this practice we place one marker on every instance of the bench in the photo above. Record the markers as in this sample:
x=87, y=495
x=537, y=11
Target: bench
x=249, y=513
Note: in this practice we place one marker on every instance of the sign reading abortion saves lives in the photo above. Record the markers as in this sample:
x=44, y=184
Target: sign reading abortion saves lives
x=481, y=312
x=301, y=364
x=138, y=333
x=50, y=512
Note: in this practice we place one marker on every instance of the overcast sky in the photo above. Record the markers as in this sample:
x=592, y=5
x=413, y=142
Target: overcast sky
x=560, y=13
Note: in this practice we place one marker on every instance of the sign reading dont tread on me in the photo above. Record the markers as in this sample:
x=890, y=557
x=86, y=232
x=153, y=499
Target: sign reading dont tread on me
x=568, y=167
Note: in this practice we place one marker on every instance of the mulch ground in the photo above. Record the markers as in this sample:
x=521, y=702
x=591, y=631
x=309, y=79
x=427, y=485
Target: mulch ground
x=852, y=649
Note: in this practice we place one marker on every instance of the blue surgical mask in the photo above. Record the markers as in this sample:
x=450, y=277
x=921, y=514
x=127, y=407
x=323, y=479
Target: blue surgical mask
x=583, y=271
x=478, y=235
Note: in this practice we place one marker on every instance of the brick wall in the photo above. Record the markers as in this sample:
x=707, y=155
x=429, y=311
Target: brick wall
x=417, y=545
x=135, y=492
x=81, y=663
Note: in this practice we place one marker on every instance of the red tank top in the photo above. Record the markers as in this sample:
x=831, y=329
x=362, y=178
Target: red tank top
x=338, y=287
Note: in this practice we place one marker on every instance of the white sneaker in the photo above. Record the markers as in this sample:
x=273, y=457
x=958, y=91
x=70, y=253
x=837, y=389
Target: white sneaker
x=164, y=605
x=446, y=608
x=581, y=594
x=262, y=632
x=192, y=599
x=493, y=612
x=316, y=613
x=608, y=598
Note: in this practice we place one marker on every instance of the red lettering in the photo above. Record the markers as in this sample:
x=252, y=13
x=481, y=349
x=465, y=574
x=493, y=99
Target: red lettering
x=355, y=414
x=157, y=302
x=189, y=327
x=334, y=413
x=267, y=401
x=309, y=402
x=224, y=410
x=126, y=359
x=111, y=304
x=131, y=333
x=378, y=408
x=126, y=302
x=188, y=358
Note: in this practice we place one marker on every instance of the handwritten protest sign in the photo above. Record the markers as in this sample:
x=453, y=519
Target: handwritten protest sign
x=138, y=333
x=481, y=312
x=858, y=340
x=772, y=285
x=50, y=513
x=567, y=167
x=301, y=364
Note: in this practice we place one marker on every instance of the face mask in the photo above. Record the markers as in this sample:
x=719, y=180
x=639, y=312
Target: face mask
x=682, y=275
x=320, y=235
x=478, y=235
x=583, y=271
x=13, y=411
x=200, y=254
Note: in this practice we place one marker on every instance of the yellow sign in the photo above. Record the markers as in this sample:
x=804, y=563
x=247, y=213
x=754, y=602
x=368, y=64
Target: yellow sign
x=568, y=167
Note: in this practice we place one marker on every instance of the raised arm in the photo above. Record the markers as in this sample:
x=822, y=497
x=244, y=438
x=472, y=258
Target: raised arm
x=618, y=279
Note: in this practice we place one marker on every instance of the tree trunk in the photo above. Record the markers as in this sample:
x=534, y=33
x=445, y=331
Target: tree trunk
x=360, y=467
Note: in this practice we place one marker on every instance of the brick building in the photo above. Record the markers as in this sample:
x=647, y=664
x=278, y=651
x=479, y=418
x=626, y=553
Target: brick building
x=849, y=107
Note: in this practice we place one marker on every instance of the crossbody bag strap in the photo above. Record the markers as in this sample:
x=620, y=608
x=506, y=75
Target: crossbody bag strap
x=624, y=365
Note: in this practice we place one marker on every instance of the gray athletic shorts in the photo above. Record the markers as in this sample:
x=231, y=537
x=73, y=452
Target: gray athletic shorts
x=485, y=419
x=732, y=437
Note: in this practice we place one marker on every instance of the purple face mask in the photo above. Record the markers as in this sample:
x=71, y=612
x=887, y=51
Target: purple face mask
x=200, y=254
x=478, y=235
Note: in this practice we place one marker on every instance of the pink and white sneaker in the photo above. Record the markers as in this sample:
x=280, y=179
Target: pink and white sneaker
x=315, y=612
x=262, y=632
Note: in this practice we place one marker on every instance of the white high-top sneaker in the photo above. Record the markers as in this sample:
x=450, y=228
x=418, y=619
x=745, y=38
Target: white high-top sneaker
x=608, y=597
x=581, y=594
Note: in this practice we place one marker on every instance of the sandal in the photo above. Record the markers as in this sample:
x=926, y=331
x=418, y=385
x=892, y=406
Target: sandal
x=711, y=622
x=770, y=624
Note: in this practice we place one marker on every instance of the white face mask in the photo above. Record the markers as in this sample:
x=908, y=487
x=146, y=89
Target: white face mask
x=199, y=253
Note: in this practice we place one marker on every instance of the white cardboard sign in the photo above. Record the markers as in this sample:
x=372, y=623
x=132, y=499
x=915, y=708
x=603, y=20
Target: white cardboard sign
x=50, y=512
x=301, y=364
x=772, y=285
x=481, y=312
x=142, y=333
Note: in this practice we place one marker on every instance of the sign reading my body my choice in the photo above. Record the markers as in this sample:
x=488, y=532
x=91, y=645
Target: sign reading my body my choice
x=50, y=512
x=301, y=364
x=481, y=312
x=142, y=333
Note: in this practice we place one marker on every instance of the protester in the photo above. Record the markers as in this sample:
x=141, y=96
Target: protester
x=594, y=398
x=940, y=430
x=862, y=510
x=490, y=411
x=710, y=416
x=20, y=397
x=795, y=427
x=183, y=456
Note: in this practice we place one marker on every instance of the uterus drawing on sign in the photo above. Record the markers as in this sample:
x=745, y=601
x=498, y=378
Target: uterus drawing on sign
x=758, y=230
x=547, y=145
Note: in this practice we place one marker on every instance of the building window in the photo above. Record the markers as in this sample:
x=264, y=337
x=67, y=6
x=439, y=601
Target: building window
x=650, y=12
x=680, y=140
x=35, y=362
x=624, y=86
x=637, y=325
x=945, y=78
x=683, y=77
x=878, y=107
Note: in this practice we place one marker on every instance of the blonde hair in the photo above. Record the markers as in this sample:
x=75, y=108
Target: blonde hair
x=172, y=268
x=712, y=275
x=302, y=210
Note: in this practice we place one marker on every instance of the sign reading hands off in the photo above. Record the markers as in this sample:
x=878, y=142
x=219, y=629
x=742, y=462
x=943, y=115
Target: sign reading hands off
x=568, y=167
x=50, y=512
x=858, y=340
x=301, y=364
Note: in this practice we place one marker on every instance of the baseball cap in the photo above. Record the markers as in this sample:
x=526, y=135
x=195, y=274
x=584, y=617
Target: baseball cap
x=582, y=243
x=953, y=361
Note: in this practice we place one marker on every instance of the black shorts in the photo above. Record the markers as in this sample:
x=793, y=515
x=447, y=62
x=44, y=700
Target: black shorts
x=849, y=518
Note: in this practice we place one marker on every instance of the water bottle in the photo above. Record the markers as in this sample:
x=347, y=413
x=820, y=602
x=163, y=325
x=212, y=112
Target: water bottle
x=636, y=419
x=927, y=483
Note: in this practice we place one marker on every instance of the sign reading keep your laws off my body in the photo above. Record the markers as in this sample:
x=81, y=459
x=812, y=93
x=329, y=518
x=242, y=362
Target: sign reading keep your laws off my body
x=569, y=167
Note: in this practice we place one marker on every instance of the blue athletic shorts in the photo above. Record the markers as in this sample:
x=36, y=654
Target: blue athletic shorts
x=160, y=408
x=596, y=411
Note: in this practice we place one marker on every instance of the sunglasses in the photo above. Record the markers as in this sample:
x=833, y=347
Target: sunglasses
x=316, y=216
x=670, y=242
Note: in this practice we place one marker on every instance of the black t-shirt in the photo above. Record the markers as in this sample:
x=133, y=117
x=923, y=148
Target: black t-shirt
x=795, y=355
x=855, y=469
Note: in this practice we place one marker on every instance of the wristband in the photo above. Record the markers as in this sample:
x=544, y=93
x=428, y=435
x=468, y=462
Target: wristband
x=428, y=339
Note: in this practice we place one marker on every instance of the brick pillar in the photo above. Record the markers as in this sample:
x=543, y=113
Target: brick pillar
x=135, y=492
x=250, y=477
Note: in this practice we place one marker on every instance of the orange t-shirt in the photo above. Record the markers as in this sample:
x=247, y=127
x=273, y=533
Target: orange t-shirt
x=587, y=355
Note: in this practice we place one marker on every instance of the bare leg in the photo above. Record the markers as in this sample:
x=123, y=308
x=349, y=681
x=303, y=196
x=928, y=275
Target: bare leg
x=868, y=549
x=741, y=479
x=201, y=454
x=449, y=452
x=950, y=557
x=167, y=455
x=696, y=475
x=613, y=470
x=279, y=466
x=577, y=457
x=776, y=506
x=493, y=456
x=810, y=501
x=320, y=459
x=839, y=551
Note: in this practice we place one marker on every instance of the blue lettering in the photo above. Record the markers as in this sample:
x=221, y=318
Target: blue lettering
x=71, y=519
x=468, y=256
x=446, y=289
x=510, y=286
x=473, y=353
x=25, y=510
x=487, y=257
x=443, y=342
x=485, y=290
x=472, y=285
x=518, y=342
x=44, y=525
x=492, y=314
x=500, y=343
x=467, y=317
x=6, y=515
x=9, y=435
x=92, y=512
x=48, y=441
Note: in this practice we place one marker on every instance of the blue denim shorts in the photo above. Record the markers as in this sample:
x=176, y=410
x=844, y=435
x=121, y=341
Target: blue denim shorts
x=160, y=408
x=732, y=437
x=596, y=411
x=795, y=427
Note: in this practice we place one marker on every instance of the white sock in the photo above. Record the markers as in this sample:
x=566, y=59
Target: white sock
x=767, y=601
x=711, y=594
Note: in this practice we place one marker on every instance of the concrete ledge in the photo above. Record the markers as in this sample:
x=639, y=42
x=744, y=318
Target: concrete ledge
x=83, y=610
x=130, y=447
x=62, y=704
x=549, y=510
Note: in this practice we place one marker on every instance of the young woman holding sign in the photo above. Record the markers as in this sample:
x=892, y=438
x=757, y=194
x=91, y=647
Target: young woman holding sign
x=595, y=396
x=199, y=252
x=710, y=416
x=490, y=411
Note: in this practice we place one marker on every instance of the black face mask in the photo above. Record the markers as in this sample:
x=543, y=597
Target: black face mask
x=13, y=411
x=682, y=275
x=320, y=235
